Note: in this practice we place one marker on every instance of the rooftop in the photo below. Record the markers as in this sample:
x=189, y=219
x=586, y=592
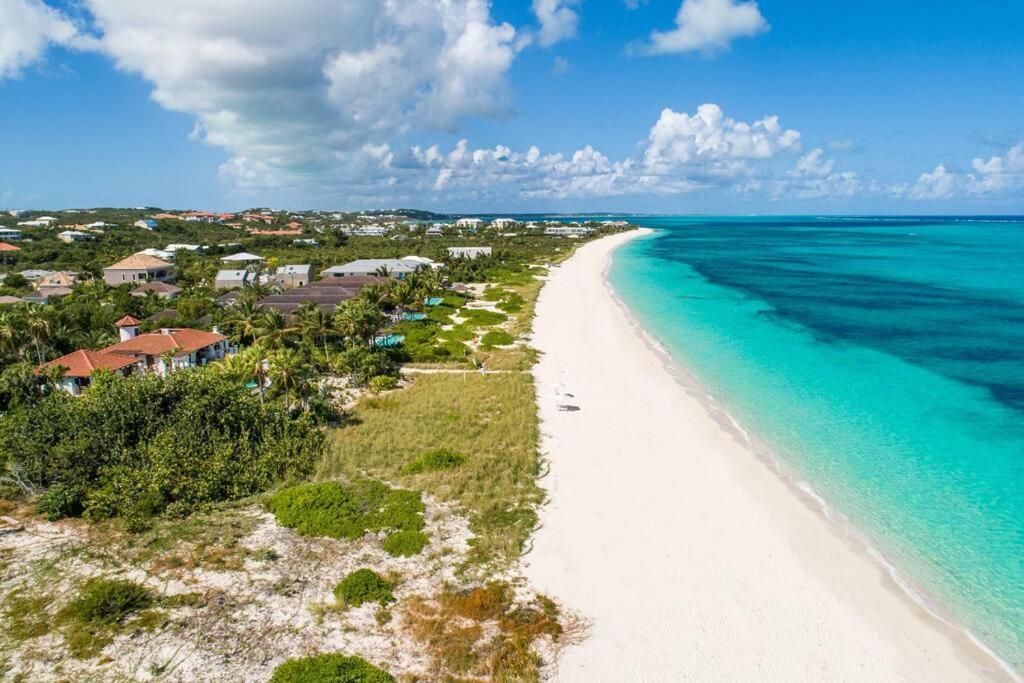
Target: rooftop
x=139, y=262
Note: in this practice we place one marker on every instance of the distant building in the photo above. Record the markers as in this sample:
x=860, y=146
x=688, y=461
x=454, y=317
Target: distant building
x=294, y=275
x=435, y=231
x=367, y=231
x=258, y=217
x=396, y=268
x=504, y=223
x=34, y=224
x=163, y=290
x=234, y=279
x=568, y=231
x=471, y=223
x=171, y=248
x=327, y=294
x=468, y=252
x=138, y=268
x=10, y=234
x=75, y=236
x=62, y=279
x=149, y=223
x=35, y=274
x=308, y=242
x=242, y=257
x=203, y=217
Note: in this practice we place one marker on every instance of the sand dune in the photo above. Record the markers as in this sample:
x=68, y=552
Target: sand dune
x=692, y=558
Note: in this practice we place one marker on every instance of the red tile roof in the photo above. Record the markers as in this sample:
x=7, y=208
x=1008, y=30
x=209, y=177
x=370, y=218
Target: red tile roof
x=157, y=288
x=83, y=362
x=139, y=262
x=179, y=341
x=8, y=247
x=127, y=321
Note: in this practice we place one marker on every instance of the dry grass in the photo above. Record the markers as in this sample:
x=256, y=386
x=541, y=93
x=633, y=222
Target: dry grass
x=491, y=419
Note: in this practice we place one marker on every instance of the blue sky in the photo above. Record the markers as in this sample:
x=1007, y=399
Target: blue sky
x=867, y=107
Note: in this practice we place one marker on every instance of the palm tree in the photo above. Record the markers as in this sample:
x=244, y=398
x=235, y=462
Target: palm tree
x=316, y=322
x=359, y=319
x=245, y=319
x=382, y=271
x=291, y=376
x=272, y=327
x=405, y=293
x=247, y=365
x=93, y=338
x=39, y=327
x=11, y=333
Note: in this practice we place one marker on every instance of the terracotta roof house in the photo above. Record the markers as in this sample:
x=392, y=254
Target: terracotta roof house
x=8, y=247
x=160, y=352
x=138, y=268
x=60, y=278
x=164, y=290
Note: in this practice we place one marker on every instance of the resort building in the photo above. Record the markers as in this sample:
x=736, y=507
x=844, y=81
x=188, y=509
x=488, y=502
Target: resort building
x=10, y=234
x=468, y=252
x=366, y=231
x=234, y=279
x=568, y=231
x=143, y=353
x=504, y=223
x=393, y=267
x=294, y=275
x=470, y=223
x=163, y=290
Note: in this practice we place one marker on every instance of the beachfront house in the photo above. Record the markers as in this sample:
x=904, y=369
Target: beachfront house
x=234, y=279
x=293, y=275
x=468, y=252
x=160, y=352
x=568, y=231
x=138, y=268
x=393, y=267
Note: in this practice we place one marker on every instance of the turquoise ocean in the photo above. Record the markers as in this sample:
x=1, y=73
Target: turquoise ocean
x=881, y=361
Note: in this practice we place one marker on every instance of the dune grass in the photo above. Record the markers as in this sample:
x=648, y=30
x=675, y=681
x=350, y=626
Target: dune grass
x=491, y=420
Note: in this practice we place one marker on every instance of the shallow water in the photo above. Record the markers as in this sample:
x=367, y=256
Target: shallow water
x=883, y=361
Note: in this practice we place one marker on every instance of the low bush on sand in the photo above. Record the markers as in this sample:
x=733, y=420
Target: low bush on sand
x=333, y=668
x=405, y=543
x=432, y=461
x=101, y=610
x=350, y=510
x=481, y=318
x=497, y=338
x=362, y=586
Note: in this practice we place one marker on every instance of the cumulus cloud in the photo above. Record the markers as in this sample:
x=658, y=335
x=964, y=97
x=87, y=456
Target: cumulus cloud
x=295, y=90
x=27, y=29
x=708, y=26
x=558, y=19
x=709, y=139
x=998, y=175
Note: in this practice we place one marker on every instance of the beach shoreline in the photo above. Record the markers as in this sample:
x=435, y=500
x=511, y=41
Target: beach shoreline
x=694, y=556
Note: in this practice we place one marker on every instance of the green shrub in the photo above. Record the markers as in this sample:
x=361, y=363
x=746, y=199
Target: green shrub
x=441, y=459
x=333, y=668
x=479, y=317
x=383, y=383
x=362, y=586
x=495, y=294
x=454, y=301
x=338, y=511
x=459, y=333
x=405, y=543
x=131, y=447
x=60, y=501
x=497, y=338
x=440, y=314
x=363, y=364
x=104, y=602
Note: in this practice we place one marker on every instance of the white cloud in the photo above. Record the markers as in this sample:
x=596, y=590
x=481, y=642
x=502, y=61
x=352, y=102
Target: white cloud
x=561, y=66
x=708, y=26
x=709, y=139
x=558, y=19
x=939, y=184
x=843, y=145
x=999, y=175
x=27, y=29
x=295, y=90
x=813, y=165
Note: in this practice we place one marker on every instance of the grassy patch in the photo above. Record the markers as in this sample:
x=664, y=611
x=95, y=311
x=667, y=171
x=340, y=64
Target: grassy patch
x=405, y=543
x=362, y=586
x=332, y=668
x=26, y=615
x=349, y=511
x=497, y=338
x=101, y=611
x=433, y=461
x=479, y=317
x=490, y=418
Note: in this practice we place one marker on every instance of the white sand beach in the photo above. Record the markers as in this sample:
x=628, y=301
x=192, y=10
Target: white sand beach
x=691, y=558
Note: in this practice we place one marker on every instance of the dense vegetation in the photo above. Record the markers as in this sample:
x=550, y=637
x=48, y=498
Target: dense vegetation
x=135, y=447
x=349, y=511
x=332, y=668
x=362, y=586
